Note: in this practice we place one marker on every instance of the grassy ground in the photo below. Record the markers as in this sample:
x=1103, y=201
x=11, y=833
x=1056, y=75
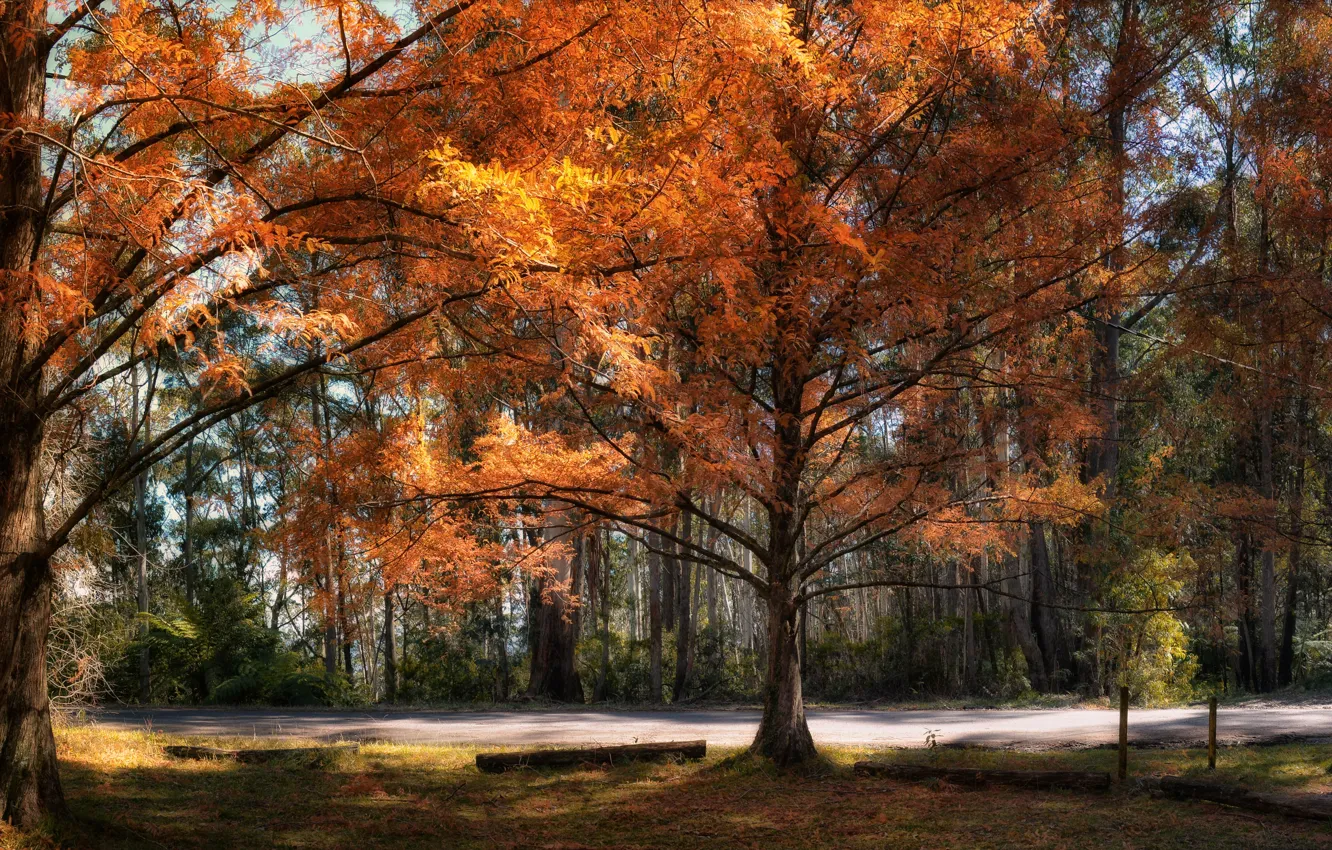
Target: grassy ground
x=127, y=794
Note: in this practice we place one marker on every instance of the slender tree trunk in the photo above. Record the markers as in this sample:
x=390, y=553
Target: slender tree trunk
x=635, y=631
x=344, y=626
x=390, y=650
x=603, y=677
x=712, y=599
x=502, y=623
x=139, y=421
x=1286, y=659
x=1268, y=610
x=654, y=619
x=670, y=567
x=187, y=543
x=683, y=632
x=1247, y=662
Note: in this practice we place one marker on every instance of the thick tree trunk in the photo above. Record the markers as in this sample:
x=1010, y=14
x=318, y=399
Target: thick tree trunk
x=29, y=782
x=553, y=673
x=783, y=734
x=1043, y=626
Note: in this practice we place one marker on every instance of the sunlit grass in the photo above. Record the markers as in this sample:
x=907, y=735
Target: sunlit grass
x=128, y=794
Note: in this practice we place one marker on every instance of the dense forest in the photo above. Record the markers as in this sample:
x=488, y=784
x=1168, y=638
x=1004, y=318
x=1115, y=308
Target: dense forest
x=660, y=352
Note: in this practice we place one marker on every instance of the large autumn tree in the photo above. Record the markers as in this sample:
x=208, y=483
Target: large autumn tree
x=172, y=168
x=859, y=219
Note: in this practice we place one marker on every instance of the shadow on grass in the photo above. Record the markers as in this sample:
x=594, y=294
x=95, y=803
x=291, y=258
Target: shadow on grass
x=432, y=797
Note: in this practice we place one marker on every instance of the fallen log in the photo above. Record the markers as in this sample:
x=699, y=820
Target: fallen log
x=256, y=756
x=1180, y=788
x=500, y=762
x=978, y=777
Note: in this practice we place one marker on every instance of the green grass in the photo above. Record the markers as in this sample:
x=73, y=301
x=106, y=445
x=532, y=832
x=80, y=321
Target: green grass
x=127, y=794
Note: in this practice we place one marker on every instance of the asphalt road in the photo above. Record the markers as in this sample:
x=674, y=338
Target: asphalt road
x=1037, y=729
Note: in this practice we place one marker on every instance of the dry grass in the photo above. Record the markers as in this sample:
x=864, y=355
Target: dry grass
x=127, y=794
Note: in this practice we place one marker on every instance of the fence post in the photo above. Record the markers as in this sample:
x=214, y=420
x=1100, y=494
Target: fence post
x=1211, y=733
x=1123, y=732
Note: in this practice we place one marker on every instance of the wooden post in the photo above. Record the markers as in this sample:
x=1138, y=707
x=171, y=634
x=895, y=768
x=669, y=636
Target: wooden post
x=1123, y=732
x=1211, y=733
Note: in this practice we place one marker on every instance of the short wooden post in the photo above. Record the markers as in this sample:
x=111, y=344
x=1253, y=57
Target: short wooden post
x=1211, y=733
x=1123, y=732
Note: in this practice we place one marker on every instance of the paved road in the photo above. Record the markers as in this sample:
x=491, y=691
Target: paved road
x=1044, y=729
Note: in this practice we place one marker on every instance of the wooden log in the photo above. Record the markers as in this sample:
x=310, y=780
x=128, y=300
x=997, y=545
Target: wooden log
x=1181, y=788
x=257, y=756
x=978, y=777
x=499, y=762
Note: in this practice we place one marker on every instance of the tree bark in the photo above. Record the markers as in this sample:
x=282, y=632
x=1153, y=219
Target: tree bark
x=603, y=677
x=553, y=672
x=783, y=734
x=139, y=423
x=1286, y=658
x=654, y=619
x=29, y=781
x=187, y=541
x=1043, y=626
x=1267, y=679
x=684, y=630
x=390, y=650
x=344, y=627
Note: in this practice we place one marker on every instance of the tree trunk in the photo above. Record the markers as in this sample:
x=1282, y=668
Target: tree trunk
x=1267, y=679
x=390, y=650
x=502, y=621
x=344, y=626
x=783, y=734
x=1245, y=670
x=635, y=632
x=187, y=543
x=684, y=631
x=1286, y=659
x=1042, y=596
x=553, y=672
x=139, y=423
x=669, y=568
x=603, y=677
x=654, y=619
x=29, y=781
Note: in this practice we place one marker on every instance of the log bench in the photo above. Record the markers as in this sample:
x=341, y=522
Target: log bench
x=500, y=762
